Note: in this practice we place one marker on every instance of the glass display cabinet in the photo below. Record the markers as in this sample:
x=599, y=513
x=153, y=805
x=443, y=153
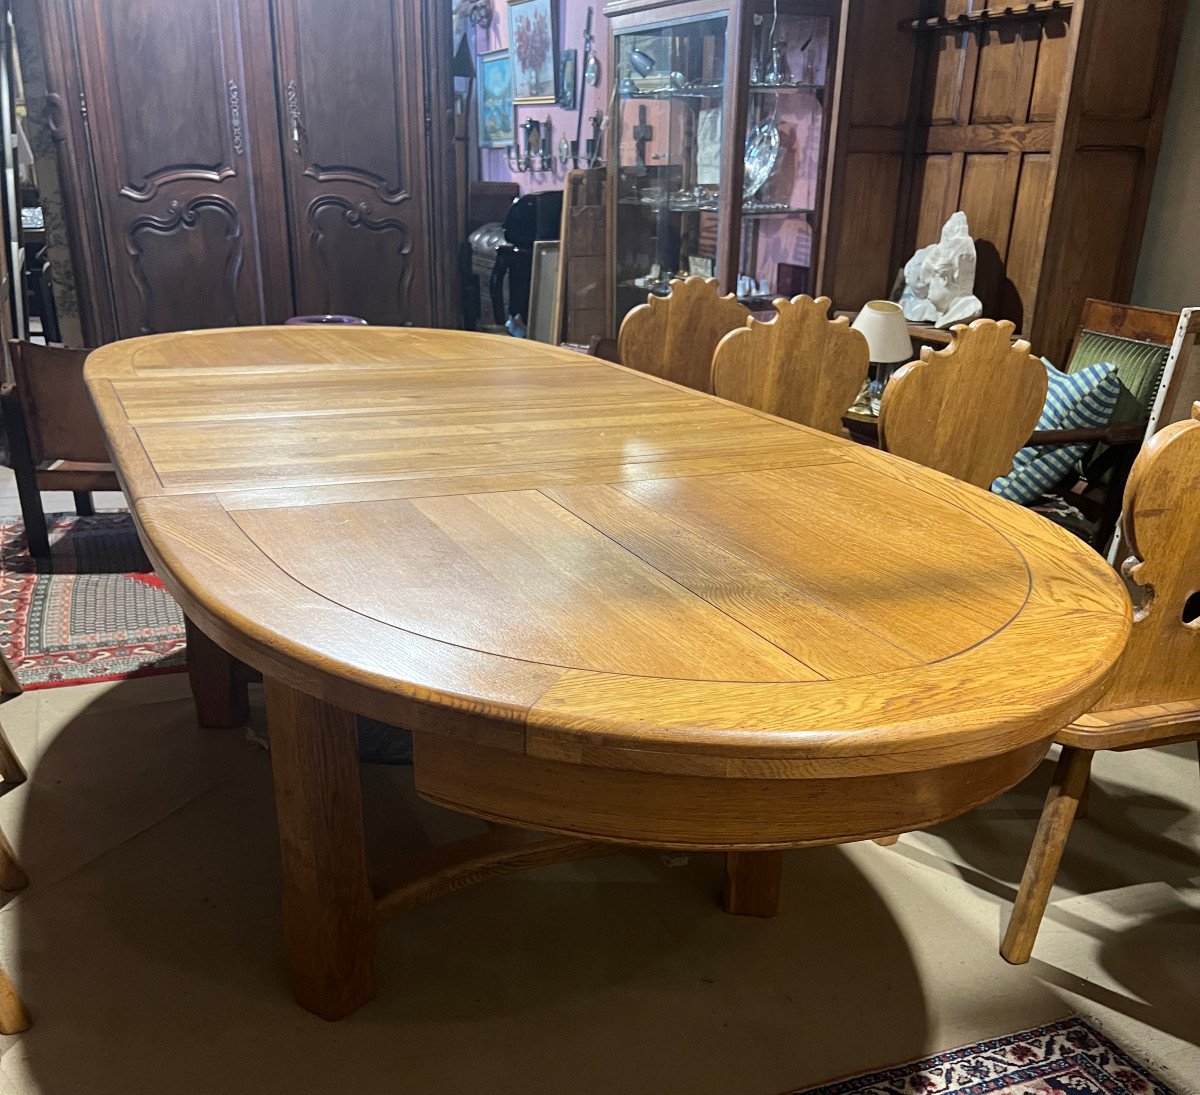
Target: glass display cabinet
x=718, y=143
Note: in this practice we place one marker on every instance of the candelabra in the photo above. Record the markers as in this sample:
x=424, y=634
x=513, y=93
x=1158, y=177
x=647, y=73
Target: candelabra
x=538, y=154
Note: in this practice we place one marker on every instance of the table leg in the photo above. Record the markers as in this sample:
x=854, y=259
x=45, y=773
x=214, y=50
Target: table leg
x=328, y=908
x=752, y=883
x=221, y=698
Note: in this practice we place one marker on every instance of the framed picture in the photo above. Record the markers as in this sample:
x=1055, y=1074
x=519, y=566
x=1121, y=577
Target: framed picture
x=567, y=78
x=543, y=291
x=495, y=99
x=533, y=42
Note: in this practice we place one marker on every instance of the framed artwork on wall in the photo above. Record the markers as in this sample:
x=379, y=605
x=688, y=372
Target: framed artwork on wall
x=567, y=78
x=533, y=42
x=495, y=99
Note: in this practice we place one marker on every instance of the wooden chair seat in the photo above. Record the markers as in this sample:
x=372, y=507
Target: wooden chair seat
x=77, y=475
x=1134, y=727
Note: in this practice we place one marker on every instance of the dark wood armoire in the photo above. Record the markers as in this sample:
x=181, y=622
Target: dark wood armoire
x=1041, y=121
x=232, y=162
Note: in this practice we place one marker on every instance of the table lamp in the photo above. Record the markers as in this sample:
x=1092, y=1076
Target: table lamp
x=883, y=325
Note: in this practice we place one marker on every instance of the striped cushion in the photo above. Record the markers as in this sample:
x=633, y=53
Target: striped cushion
x=1081, y=400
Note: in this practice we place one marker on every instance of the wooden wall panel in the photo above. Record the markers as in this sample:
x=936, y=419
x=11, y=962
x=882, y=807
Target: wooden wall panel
x=1118, y=79
x=989, y=192
x=934, y=202
x=1004, y=78
x=1052, y=60
x=862, y=243
x=880, y=96
x=1098, y=193
x=950, y=66
x=1027, y=241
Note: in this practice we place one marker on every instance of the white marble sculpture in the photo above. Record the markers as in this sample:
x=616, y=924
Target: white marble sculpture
x=939, y=280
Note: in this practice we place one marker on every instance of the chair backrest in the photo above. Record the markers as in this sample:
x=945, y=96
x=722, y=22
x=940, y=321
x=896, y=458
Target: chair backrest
x=60, y=421
x=968, y=408
x=674, y=336
x=799, y=365
x=1161, y=528
x=1135, y=340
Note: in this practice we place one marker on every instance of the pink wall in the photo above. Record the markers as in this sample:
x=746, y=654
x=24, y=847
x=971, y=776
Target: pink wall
x=572, y=17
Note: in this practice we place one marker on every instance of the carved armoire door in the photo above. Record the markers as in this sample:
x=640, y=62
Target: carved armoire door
x=354, y=105
x=179, y=114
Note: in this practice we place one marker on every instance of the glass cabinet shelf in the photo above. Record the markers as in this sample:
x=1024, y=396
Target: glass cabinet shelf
x=716, y=92
x=718, y=147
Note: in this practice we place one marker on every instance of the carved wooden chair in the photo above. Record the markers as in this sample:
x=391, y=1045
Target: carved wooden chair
x=54, y=435
x=13, y=1017
x=674, y=336
x=966, y=409
x=799, y=365
x=1147, y=347
x=1154, y=697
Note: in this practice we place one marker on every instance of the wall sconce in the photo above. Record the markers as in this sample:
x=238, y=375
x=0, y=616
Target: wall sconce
x=538, y=154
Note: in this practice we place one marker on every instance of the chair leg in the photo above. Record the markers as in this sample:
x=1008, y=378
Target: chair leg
x=1070, y=778
x=1085, y=798
x=37, y=539
x=12, y=876
x=13, y=1016
x=83, y=503
x=887, y=841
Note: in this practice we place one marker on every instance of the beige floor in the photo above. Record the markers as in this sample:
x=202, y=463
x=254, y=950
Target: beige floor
x=148, y=942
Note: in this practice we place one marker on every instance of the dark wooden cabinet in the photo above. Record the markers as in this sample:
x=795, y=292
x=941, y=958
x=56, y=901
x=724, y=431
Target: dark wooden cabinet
x=355, y=157
x=232, y=162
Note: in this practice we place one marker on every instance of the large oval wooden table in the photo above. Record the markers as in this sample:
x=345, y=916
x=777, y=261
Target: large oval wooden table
x=613, y=611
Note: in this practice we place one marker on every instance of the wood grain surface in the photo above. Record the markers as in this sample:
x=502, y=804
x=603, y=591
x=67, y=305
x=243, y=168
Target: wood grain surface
x=967, y=409
x=674, y=336
x=607, y=606
x=799, y=365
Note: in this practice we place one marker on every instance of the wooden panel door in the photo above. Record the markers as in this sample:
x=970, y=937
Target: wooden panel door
x=184, y=146
x=351, y=79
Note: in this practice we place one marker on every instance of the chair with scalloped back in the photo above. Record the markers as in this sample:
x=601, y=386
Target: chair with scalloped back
x=1154, y=696
x=674, y=336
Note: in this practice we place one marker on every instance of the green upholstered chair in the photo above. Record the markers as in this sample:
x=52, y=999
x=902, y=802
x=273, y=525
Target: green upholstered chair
x=1138, y=341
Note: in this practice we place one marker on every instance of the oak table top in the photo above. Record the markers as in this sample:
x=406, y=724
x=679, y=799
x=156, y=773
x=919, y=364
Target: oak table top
x=608, y=607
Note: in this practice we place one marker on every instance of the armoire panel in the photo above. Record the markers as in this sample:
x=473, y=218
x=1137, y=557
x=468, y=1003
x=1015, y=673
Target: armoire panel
x=351, y=117
x=1004, y=78
x=1027, y=240
x=871, y=197
x=933, y=199
x=177, y=130
x=1099, y=190
x=989, y=191
x=1132, y=33
x=165, y=60
x=1053, y=57
x=883, y=98
x=354, y=159
x=953, y=61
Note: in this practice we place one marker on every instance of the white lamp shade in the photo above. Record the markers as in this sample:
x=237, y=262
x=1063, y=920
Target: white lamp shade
x=883, y=324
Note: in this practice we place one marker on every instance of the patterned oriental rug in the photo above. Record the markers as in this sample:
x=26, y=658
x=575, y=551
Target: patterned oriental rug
x=96, y=613
x=1064, y=1058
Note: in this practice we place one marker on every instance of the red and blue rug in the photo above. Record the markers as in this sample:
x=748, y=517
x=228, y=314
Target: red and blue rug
x=1064, y=1058
x=94, y=612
